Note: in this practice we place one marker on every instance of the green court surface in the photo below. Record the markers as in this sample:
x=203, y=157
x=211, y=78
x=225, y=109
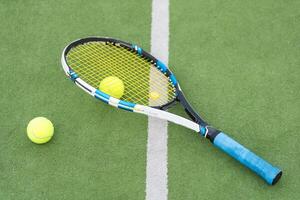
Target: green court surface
x=238, y=61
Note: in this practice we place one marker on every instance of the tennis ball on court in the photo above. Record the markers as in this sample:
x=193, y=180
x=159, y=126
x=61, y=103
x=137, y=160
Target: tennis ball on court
x=40, y=130
x=154, y=95
x=112, y=86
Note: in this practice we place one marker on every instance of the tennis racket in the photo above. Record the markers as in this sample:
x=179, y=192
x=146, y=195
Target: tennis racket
x=150, y=89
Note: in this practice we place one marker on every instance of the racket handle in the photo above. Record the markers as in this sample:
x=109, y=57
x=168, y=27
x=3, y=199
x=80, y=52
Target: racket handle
x=261, y=167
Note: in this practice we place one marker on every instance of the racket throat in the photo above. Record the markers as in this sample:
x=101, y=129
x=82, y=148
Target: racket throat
x=211, y=133
x=195, y=117
x=189, y=110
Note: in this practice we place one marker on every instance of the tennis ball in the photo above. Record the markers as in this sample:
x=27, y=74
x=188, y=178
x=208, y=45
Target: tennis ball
x=154, y=95
x=40, y=130
x=112, y=86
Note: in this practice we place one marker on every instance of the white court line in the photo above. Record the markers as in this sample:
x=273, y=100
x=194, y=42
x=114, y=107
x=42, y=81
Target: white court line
x=157, y=171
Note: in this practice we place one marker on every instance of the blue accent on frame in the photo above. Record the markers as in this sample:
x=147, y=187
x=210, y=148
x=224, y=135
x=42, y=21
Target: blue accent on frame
x=173, y=79
x=73, y=75
x=246, y=157
x=101, y=98
x=138, y=49
x=125, y=108
x=128, y=104
x=161, y=66
x=202, y=130
x=106, y=96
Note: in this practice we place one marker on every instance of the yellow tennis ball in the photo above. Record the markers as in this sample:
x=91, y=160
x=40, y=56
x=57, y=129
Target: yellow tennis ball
x=154, y=95
x=40, y=130
x=112, y=86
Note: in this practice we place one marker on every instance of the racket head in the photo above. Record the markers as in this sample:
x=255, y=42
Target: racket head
x=147, y=81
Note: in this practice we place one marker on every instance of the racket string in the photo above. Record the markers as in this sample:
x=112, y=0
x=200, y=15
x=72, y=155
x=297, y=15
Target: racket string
x=137, y=90
x=95, y=61
x=88, y=58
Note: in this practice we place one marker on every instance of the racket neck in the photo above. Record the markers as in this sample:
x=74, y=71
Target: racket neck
x=211, y=132
x=189, y=109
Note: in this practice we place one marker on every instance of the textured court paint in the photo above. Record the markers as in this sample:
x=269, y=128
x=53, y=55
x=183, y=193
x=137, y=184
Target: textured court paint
x=156, y=175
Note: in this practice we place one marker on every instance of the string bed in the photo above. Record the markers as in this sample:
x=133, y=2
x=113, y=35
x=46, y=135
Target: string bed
x=94, y=61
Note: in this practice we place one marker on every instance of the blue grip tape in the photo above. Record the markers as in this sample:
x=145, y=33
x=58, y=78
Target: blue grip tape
x=247, y=158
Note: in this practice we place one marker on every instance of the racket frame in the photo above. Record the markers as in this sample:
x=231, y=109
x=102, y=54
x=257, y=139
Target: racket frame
x=264, y=169
x=157, y=111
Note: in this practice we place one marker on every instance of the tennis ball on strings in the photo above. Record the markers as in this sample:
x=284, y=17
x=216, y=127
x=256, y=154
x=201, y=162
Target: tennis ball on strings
x=112, y=86
x=154, y=95
x=40, y=130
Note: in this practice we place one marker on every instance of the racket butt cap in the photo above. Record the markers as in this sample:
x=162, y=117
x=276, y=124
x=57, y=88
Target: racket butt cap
x=276, y=179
